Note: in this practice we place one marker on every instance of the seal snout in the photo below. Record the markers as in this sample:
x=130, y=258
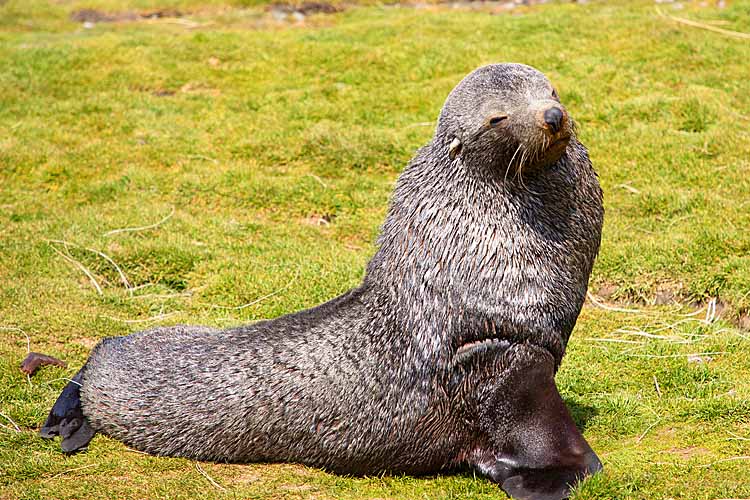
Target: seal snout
x=553, y=118
x=593, y=464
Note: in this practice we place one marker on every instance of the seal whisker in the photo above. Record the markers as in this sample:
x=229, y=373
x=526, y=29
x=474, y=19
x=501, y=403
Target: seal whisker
x=521, y=164
x=523, y=184
x=510, y=163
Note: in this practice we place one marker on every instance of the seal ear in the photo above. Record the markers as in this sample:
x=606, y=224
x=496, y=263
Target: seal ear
x=541, y=454
x=455, y=148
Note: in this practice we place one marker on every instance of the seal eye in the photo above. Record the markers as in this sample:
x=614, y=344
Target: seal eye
x=495, y=120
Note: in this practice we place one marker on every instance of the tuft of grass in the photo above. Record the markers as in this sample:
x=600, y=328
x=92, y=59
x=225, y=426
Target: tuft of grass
x=277, y=145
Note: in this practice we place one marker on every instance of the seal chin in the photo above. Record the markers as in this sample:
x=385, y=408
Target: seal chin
x=550, y=155
x=561, y=141
x=517, y=487
x=549, y=484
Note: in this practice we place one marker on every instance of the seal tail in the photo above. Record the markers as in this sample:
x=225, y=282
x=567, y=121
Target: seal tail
x=66, y=418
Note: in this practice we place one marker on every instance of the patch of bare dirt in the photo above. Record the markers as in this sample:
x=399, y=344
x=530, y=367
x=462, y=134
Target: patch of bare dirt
x=305, y=8
x=98, y=16
x=319, y=219
x=163, y=92
x=86, y=342
x=297, y=13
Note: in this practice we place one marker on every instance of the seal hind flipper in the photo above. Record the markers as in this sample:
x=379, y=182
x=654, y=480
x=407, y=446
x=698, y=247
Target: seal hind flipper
x=66, y=418
x=79, y=438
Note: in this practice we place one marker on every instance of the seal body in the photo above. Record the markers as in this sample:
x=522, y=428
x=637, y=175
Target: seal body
x=444, y=356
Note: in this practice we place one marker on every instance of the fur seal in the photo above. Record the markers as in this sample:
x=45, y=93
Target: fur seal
x=443, y=358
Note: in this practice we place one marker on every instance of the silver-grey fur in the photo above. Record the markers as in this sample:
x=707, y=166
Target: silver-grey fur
x=480, y=275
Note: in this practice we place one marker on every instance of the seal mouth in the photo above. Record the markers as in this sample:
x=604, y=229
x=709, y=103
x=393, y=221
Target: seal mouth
x=562, y=139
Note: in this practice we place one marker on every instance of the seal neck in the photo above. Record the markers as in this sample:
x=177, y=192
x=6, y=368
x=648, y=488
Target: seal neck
x=464, y=257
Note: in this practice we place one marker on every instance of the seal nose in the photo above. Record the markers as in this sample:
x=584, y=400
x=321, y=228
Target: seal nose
x=593, y=464
x=553, y=117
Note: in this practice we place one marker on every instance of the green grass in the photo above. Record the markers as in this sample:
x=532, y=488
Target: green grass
x=252, y=131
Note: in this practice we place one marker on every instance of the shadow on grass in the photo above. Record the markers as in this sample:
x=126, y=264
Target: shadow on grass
x=581, y=413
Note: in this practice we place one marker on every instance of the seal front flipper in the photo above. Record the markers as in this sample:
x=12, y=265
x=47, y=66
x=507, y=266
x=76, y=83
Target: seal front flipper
x=66, y=418
x=531, y=446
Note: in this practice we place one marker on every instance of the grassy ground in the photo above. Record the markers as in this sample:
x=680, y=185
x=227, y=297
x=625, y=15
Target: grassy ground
x=269, y=150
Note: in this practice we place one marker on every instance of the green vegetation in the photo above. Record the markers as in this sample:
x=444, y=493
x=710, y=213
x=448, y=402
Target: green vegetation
x=274, y=147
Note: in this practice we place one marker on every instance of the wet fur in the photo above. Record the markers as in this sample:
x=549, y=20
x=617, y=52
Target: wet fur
x=480, y=275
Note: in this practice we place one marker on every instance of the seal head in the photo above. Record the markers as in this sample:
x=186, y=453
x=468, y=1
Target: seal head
x=515, y=122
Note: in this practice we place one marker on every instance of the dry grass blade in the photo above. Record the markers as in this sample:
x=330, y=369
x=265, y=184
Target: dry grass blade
x=710, y=312
x=123, y=278
x=668, y=326
x=133, y=450
x=665, y=356
x=80, y=266
x=16, y=329
x=656, y=386
x=210, y=479
x=643, y=435
x=675, y=339
x=420, y=124
x=141, y=228
x=606, y=307
x=260, y=299
x=696, y=24
x=317, y=179
x=49, y=382
x=628, y=187
x=15, y=425
x=158, y=296
x=615, y=341
x=72, y=470
x=158, y=317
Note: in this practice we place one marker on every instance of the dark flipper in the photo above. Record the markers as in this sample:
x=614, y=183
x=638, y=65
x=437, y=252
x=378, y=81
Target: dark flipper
x=66, y=418
x=541, y=455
